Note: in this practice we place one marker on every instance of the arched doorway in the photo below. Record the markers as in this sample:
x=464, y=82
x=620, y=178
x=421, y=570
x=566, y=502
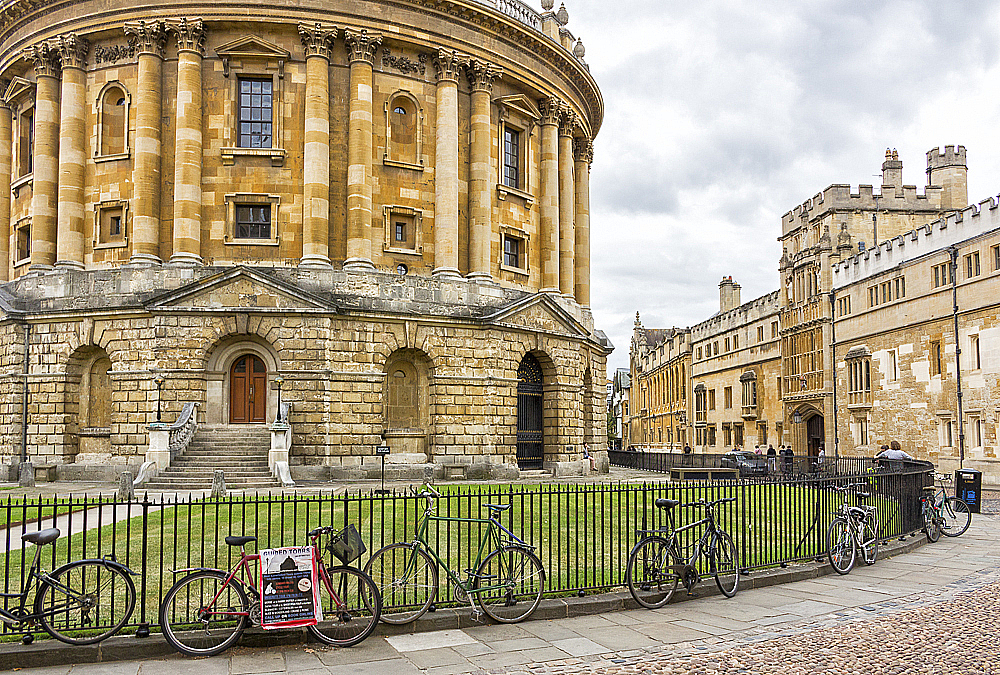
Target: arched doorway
x=530, y=446
x=248, y=391
x=814, y=434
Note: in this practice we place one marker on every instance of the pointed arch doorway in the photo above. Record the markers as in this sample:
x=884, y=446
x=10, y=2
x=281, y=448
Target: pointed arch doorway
x=530, y=439
x=248, y=391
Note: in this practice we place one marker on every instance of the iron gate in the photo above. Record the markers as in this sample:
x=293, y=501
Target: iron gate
x=529, y=414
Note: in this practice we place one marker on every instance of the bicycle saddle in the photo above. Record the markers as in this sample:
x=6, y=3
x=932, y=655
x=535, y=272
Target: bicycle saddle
x=497, y=507
x=41, y=537
x=666, y=503
x=239, y=541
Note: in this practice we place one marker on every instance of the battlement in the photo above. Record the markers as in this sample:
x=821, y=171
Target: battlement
x=746, y=313
x=842, y=197
x=951, y=156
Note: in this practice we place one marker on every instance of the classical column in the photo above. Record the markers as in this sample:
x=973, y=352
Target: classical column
x=45, y=157
x=6, y=138
x=584, y=154
x=188, y=144
x=318, y=41
x=361, y=48
x=72, y=138
x=548, y=205
x=481, y=75
x=149, y=38
x=567, y=208
x=449, y=65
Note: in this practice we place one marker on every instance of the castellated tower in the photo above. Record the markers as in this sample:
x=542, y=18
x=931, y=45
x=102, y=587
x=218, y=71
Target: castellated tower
x=949, y=171
x=892, y=170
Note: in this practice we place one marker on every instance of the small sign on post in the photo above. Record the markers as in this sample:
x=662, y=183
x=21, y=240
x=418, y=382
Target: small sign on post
x=382, y=451
x=289, y=581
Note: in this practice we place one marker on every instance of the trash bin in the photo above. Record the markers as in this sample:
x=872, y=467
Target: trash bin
x=969, y=487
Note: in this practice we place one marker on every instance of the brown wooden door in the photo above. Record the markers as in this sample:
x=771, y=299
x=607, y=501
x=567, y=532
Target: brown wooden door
x=248, y=391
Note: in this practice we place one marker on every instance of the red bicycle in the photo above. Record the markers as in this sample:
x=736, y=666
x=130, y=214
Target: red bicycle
x=205, y=612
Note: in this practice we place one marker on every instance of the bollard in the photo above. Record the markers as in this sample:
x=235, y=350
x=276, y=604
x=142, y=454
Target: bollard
x=27, y=475
x=219, y=485
x=126, y=492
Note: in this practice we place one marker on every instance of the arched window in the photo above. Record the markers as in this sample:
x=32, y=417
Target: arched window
x=99, y=410
x=403, y=404
x=403, y=131
x=113, y=114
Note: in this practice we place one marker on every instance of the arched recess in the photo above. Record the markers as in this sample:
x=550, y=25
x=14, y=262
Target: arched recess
x=406, y=404
x=88, y=405
x=403, y=130
x=537, y=436
x=113, y=108
x=809, y=432
x=219, y=367
x=588, y=401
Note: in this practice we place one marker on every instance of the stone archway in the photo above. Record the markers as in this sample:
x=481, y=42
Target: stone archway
x=248, y=390
x=223, y=358
x=530, y=432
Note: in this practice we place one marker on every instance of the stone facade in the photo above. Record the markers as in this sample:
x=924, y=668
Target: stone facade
x=336, y=190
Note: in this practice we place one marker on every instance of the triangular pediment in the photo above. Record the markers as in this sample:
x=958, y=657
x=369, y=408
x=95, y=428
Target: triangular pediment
x=241, y=289
x=521, y=104
x=17, y=86
x=538, y=312
x=252, y=46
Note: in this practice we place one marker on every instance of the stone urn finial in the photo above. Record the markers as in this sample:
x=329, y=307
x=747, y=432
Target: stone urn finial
x=562, y=16
x=579, y=51
x=547, y=5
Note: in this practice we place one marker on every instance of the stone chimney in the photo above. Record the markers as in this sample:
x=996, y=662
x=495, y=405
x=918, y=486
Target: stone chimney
x=949, y=171
x=892, y=169
x=729, y=294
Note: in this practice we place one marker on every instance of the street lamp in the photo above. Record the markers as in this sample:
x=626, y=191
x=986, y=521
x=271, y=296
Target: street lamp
x=159, y=387
x=279, y=380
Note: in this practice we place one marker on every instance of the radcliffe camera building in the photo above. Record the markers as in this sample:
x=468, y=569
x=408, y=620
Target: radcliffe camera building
x=379, y=214
x=860, y=344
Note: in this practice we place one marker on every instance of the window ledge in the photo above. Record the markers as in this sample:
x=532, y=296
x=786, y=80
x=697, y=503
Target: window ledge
x=277, y=155
x=404, y=251
x=402, y=165
x=514, y=270
x=111, y=244
x=251, y=242
x=504, y=190
x=859, y=406
x=112, y=158
x=22, y=261
x=21, y=182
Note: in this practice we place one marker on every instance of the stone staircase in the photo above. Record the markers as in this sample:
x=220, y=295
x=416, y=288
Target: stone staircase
x=239, y=451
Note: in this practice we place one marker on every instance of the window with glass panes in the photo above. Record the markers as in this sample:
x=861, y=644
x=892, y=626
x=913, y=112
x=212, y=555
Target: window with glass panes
x=253, y=221
x=255, y=113
x=512, y=252
x=511, y=158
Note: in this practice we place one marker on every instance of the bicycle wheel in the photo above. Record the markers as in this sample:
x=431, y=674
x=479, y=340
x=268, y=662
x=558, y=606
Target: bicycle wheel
x=351, y=607
x=840, y=546
x=512, y=581
x=196, y=626
x=407, y=579
x=957, y=517
x=868, y=543
x=649, y=573
x=932, y=527
x=724, y=559
x=85, y=602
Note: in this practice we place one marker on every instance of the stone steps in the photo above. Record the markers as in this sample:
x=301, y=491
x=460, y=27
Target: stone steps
x=239, y=452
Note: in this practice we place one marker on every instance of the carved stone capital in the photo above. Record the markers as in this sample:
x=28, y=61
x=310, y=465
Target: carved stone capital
x=361, y=46
x=551, y=109
x=449, y=64
x=567, y=122
x=318, y=38
x=147, y=37
x=44, y=58
x=190, y=34
x=482, y=74
x=72, y=49
x=583, y=150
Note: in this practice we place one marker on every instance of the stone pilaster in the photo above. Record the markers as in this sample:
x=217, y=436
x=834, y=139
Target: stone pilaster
x=188, y=141
x=73, y=52
x=449, y=65
x=482, y=76
x=584, y=155
x=45, y=158
x=6, y=148
x=318, y=41
x=361, y=48
x=548, y=206
x=567, y=206
x=149, y=37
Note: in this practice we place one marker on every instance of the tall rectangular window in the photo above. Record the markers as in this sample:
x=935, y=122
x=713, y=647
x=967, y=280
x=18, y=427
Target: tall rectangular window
x=974, y=356
x=936, y=357
x=996, y=258
x=23, y=241
x=511, y=158
x=774, y=329
x=400, y=231
x=972, y=265
x=255, y=112
x=512, y=252
x=253, y=221
x=26, y=148
x=942, y=274
x=893, y=365
x=727, y=395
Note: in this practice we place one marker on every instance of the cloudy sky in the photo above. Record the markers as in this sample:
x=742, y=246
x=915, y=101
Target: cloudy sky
x=721, y=115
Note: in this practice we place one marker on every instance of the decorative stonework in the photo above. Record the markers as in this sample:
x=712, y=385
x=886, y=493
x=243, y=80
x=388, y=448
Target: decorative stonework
x=44, y=58
x=567, y=122
x=551, y=109
x=114, y=53
x=190, y=34
x=404, y=63
x=583, y=150
x=144, y=37
x=482, y=74
x=318, y=38
x=449, y=64
x=361, y=46
x=72, y=49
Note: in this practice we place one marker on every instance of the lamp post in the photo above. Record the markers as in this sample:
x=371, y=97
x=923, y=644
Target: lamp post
x=278, y=381
x=159, y=387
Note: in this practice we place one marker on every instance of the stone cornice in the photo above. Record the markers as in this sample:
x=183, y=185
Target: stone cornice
x=361, y=46
x=449, y=64
x=482, y=74
x=190, y=34
x=148, y=37
x=72, y=49
x=44, y=58
x=318, y=38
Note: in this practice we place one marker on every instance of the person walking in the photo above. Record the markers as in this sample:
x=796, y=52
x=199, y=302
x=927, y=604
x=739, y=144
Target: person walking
x=772, y=459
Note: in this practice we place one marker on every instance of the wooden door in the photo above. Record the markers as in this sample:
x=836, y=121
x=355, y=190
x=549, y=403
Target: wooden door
x=248, y=391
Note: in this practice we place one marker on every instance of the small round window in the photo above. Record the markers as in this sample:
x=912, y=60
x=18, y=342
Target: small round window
x=401, y=270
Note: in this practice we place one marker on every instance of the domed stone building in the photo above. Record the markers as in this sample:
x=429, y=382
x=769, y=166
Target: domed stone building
x=373, y=214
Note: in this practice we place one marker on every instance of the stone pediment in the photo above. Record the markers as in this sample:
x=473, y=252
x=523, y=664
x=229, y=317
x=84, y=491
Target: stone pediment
x=520, y=103
x=240, y=289
x=17, y=86
x=539, y=312
x=254, y=47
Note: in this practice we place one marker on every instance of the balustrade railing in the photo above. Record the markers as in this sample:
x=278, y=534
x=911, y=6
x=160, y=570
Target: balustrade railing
x=182, y=430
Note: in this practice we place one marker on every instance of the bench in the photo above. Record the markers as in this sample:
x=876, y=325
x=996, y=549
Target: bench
x=703, y=473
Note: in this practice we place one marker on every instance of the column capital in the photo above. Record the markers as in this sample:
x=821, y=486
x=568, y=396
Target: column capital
x=567, y=122
x=190, y=34
x=449, y=64
x=44, y=58
x=583, y=149
x=551, y=109
x=361, y=46
x=318, y=38
x=72, y=50
x=148, y=37
x=481, y=74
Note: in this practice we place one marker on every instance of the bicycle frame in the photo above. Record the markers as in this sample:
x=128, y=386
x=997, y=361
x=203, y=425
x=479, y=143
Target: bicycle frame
x=673, y=530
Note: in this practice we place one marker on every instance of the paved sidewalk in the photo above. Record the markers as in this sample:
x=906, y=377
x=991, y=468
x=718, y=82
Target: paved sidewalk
x=785, y=627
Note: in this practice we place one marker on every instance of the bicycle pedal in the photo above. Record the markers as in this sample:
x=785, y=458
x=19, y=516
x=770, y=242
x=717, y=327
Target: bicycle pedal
x=477, y=615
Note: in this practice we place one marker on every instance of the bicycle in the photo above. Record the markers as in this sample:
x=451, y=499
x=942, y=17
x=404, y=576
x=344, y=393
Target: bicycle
x=655, y=564
x=854, y=528
x=206, y=612
x=955, y=514
x=930, y=514
x=507, y=583
x=74, y=601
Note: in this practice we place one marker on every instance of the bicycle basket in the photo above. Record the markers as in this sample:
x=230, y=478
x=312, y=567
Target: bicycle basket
x=347, y=545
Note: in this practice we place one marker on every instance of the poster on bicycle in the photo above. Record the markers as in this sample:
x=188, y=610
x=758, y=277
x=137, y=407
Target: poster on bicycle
x=289, y=588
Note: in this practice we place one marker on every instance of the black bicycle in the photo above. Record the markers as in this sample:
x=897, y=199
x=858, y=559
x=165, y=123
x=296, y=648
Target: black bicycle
x=82, y=602
x=656, y=564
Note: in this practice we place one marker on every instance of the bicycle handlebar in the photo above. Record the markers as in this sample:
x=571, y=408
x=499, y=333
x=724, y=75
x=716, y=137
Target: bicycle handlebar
x=848, y=487
x=706, y=504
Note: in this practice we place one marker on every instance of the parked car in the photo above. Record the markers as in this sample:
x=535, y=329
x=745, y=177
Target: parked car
x=748, y=462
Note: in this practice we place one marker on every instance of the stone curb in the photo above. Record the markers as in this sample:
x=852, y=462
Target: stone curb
x=122, y=648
